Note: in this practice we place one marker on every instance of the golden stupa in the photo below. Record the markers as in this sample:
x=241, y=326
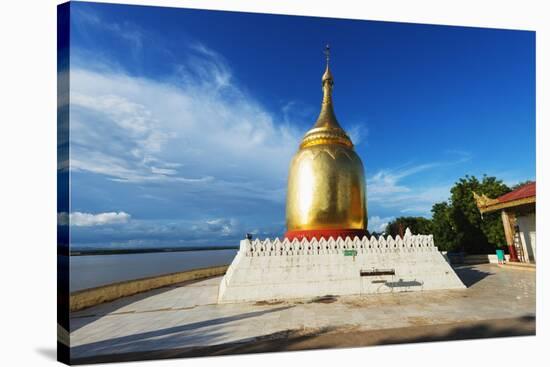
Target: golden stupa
x=326, y=194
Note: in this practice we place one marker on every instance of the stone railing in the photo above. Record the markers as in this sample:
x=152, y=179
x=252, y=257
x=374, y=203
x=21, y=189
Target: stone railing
x=276, y=247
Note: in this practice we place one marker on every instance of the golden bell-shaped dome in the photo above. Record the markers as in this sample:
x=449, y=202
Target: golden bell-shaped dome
x=326, y=183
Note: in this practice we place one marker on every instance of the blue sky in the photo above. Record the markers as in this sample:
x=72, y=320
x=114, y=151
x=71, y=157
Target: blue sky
x=183, y=122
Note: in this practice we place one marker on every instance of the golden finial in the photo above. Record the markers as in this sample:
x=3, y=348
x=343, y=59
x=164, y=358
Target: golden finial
x=327, y=52
x=327, y=75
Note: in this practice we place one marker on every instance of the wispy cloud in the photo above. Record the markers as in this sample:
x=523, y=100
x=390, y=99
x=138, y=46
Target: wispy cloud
x=394, y=188
x=387, y=181
x=126, y=31
x=298, y=111
x=199, y=127
x=80, y=219
x=358, y=133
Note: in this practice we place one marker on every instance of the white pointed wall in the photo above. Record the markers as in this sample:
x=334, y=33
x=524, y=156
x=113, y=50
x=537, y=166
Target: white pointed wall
x=275, y=269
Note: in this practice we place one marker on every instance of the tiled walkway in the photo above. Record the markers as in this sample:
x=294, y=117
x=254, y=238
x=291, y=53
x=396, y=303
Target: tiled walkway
x=185, y=316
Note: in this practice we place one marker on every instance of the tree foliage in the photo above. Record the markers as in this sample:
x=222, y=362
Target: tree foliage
x=417, y=225
x=458, y=224
x=442, y=227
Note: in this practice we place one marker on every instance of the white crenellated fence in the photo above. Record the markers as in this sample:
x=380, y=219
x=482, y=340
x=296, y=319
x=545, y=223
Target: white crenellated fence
x=276, y=247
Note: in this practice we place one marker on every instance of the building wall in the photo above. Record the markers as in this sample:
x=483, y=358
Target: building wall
x=527, y=234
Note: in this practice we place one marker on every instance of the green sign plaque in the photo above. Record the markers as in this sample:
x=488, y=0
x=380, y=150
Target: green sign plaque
x=350, y=252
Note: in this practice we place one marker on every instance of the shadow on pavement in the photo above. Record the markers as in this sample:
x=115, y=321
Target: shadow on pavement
x=202, y=332
x=470, y=275
x=293, y=340
x=521, y=326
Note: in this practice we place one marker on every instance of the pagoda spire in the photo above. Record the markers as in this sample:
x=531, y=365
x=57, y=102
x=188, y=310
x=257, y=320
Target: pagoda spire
x=327, y=118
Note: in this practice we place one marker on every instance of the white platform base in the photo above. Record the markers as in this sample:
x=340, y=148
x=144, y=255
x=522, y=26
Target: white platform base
x=271, y=270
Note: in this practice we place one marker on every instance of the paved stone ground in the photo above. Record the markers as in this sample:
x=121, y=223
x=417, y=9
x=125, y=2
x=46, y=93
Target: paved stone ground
x=184, y=320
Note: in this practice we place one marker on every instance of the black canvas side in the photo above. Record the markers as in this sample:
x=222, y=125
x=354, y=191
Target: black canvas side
x=63, y=276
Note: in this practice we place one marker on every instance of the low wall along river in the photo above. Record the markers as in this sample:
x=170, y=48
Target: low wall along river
x=94, y=296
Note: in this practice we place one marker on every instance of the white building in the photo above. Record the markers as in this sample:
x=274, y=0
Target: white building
x=518, y=210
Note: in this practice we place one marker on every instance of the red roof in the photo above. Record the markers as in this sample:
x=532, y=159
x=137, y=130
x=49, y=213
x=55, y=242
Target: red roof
x=525, y=191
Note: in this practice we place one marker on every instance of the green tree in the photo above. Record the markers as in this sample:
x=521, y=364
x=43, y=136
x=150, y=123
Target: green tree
x=475, y=234
x=417, y=225
x=445, y=237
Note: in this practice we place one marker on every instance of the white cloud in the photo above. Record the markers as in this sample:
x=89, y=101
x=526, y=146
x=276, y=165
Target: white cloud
x=377, y=224
x=197, y=128
x=358, y=133
x=386, y=181
x=223, y=226
x=87, y=219
x=388, y=189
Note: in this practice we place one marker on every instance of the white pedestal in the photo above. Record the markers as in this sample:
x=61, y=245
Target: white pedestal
x=274, y=269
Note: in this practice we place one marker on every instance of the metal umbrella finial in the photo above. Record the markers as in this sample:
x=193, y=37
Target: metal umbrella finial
x=327, y=52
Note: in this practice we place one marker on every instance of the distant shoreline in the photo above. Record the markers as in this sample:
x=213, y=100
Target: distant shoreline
x=87, y=252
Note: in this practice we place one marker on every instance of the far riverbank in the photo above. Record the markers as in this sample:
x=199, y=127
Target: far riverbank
x=107, y=251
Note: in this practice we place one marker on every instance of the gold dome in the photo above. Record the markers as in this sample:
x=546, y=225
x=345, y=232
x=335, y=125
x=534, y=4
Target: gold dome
x=326, y=183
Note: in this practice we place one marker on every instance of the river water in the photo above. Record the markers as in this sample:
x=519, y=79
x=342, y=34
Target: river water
x=90, y=271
